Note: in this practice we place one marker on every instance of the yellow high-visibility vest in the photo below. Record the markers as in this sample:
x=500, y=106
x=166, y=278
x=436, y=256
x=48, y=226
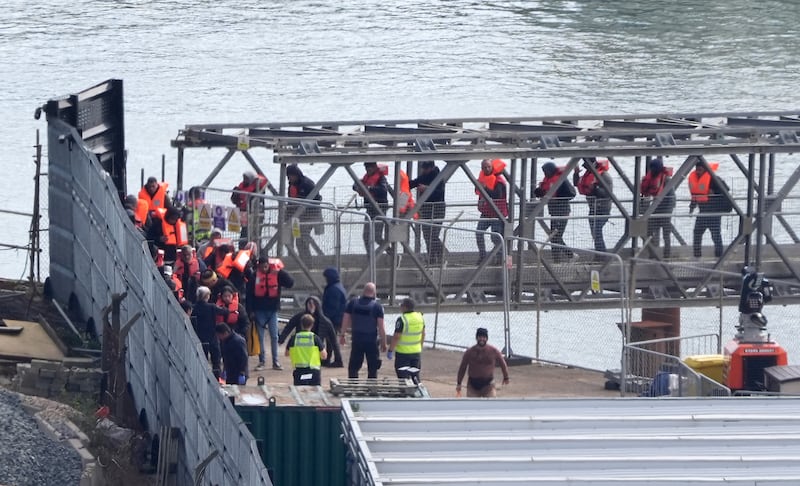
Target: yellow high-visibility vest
x=411, y=339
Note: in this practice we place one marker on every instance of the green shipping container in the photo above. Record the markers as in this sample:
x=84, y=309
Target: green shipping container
x=300, y=446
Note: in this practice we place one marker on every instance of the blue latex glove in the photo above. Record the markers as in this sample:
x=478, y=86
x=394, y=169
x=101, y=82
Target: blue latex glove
x=242, y=379
x=389, y=355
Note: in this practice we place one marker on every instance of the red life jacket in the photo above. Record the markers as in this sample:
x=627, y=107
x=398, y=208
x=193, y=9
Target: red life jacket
x=233, y=307
x=266, y=284
x=652, y=185
x=586, y=182
x=373, y=178
x=193, y=269
x=256, y=185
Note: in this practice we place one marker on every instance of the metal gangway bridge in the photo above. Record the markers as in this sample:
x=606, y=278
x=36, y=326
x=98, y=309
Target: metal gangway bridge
x=756, y=151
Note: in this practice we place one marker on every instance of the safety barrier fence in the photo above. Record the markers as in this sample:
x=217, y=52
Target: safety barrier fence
x=656, y=367
x=95, y=253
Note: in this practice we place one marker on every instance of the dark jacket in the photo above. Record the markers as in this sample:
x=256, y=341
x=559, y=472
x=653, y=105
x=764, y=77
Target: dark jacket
x=322, y=325
x=266, y=303
x=301, y=190
x=204, y=319
x=234, y=357
x=434, y=206
x=334, y=297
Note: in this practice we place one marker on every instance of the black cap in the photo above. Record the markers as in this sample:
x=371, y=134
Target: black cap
x=427, y=164
x=482, y=331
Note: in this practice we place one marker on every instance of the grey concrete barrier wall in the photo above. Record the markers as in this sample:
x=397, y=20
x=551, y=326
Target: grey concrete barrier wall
x=96, y=252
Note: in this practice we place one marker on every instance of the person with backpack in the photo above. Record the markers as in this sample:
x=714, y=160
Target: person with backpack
x=597, y=196
x=559, y=208
x=707, y=196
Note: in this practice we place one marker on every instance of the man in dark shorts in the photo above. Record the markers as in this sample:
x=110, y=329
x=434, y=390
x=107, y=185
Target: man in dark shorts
x=481, y=360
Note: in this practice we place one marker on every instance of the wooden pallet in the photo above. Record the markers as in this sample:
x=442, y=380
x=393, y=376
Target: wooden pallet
x=376, y=387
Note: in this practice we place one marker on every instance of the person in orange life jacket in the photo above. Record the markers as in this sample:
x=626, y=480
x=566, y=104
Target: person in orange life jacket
x=234, y=355
x=597, y=196
x=167, y=232
x=252, y=183
x=214, y=282
x=137, y=211
x=705, y=191
x=322, y=328
x=204, y=319
x=206, y=249
x=378, y=187
x=300, y=186
x=156, y=194
x=432, y=209
x=264, y=302
x=559, y=208
x=174, y=284
x=221, y=259
x=365, y=316
x=306, y=350
x=653, y=184
x=239, y=267
x=492, y=180
x=237, y=314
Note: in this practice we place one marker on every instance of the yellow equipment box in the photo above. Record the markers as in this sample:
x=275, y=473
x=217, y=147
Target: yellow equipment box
x=709, y=365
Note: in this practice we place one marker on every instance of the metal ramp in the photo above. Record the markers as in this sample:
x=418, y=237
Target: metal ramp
x=378, y=387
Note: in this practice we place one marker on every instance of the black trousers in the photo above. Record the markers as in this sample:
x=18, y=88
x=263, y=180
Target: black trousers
x=430, y=234
x=713, y=224
x=364, y=347
x=212, y=349
x=402, y=360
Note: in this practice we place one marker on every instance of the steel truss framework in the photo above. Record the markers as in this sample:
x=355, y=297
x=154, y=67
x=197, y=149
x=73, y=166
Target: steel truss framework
x=751, y=140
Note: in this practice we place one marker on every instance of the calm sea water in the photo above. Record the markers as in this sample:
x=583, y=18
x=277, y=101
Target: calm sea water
x=223, y=61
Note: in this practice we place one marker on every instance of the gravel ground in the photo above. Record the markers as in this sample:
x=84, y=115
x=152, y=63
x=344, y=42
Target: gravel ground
x=27, y=455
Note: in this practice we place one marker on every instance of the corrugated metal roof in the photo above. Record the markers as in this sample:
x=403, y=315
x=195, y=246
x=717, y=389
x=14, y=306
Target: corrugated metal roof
x=731, y=441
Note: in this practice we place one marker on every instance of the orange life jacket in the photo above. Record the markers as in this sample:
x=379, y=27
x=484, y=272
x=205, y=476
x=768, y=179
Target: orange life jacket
x=140, y=214
x=157, y=200
x=552, y=179
x=404, y=196
x=224, y=268
x=241, y=260
x=176, y=233
x=586, y=182
x=233, y=307
x=266, y=284
x=700, y=186
x=490, y=181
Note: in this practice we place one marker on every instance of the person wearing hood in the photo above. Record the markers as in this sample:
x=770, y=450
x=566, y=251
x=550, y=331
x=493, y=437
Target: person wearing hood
x=322, y=328
x=559, y=208
x=334, y=297
x=301, y=187
x=653, y=185
x=252, y=183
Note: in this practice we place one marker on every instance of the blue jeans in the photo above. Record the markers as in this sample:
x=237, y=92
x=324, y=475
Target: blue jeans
x=266, y=318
